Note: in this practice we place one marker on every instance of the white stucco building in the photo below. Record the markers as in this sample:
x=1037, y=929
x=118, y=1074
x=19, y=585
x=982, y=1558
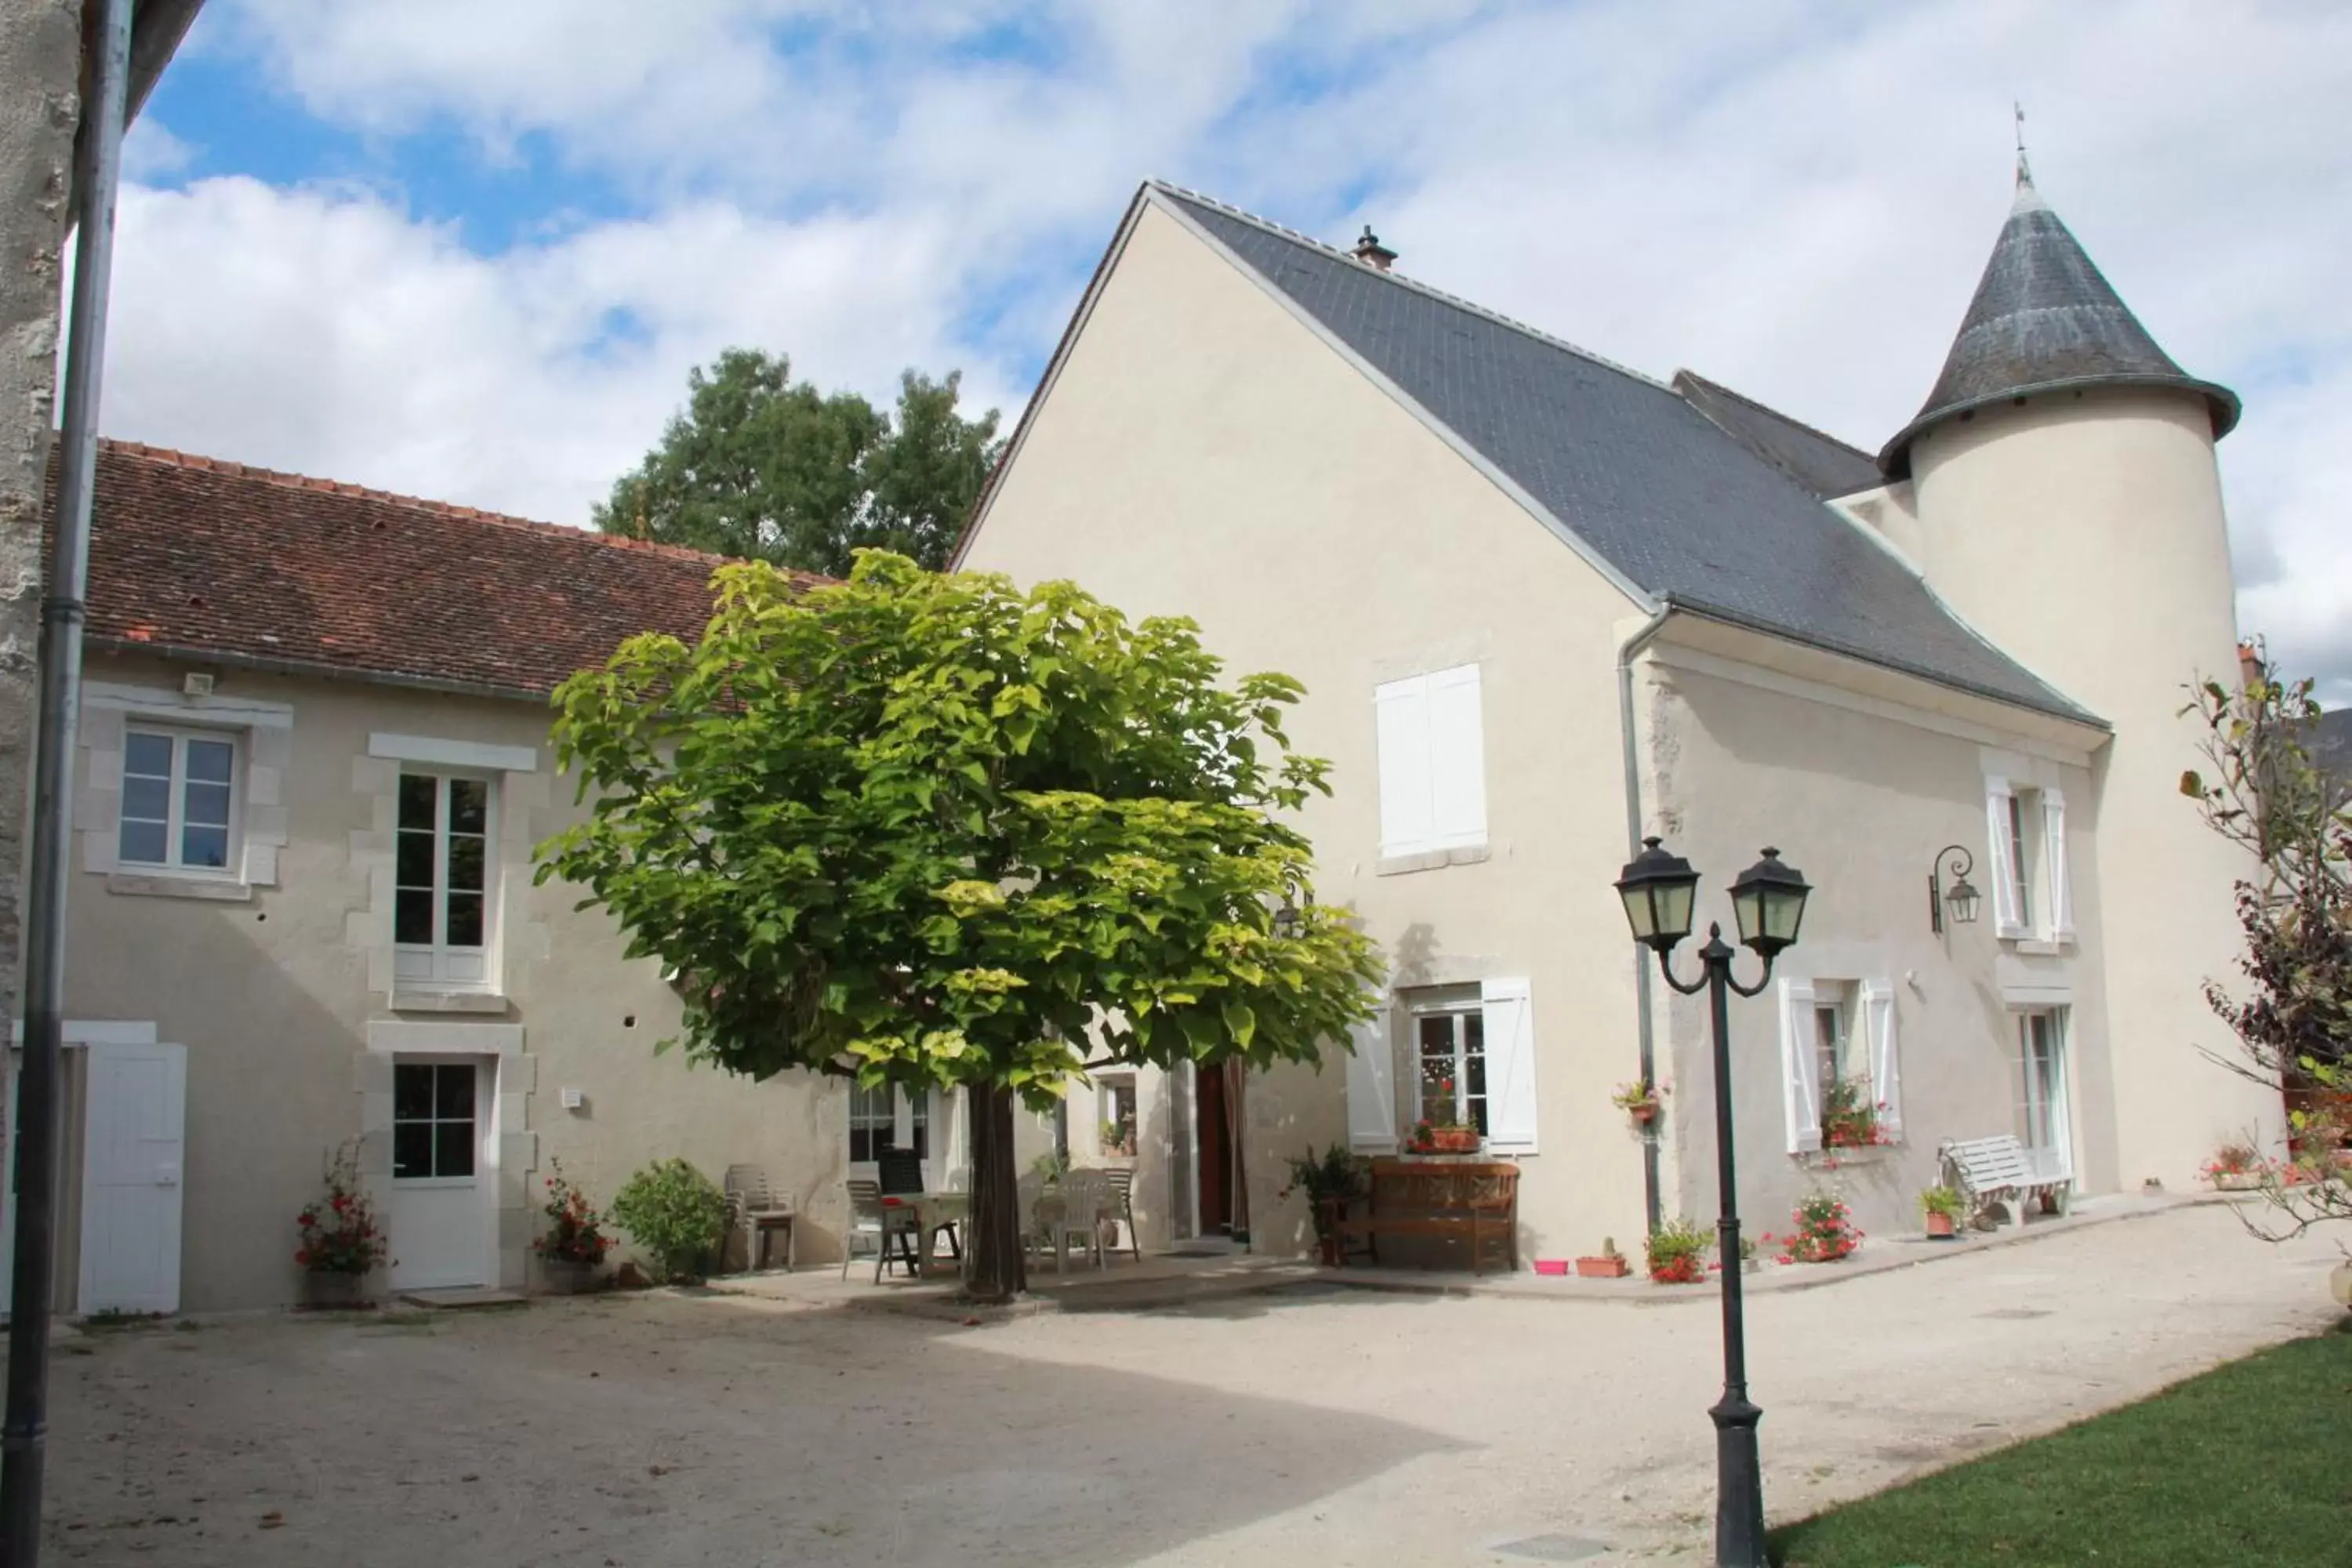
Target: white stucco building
x=1544, y=605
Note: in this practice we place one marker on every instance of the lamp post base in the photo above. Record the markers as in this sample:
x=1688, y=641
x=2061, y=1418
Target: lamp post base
x=1738, y=1485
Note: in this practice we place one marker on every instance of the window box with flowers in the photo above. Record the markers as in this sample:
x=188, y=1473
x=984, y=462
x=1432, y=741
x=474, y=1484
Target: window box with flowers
x=1850, y=1119
x=343, y=1242
x=573, y=1247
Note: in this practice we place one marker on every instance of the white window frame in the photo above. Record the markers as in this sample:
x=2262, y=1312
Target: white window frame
x=1458, y=1013
x=443, y=962
x=903, y=1121
x=1430, y=754
x=2054, y=1160
x=1107, y=1089
x=175, y=804
x=2032, y=876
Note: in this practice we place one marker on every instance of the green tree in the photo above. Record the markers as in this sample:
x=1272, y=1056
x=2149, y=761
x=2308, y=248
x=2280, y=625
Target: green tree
x=764, y=467
x=933, y=831
x=2266, y=793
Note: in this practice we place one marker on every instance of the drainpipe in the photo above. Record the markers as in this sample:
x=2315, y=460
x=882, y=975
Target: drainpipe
x=98, y=166
x=1625, y=654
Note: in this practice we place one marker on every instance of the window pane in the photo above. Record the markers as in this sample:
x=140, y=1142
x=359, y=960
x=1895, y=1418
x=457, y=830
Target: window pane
x=148, y=800
x=413, y=860
x=453, y=1148
x=142, y=843
x=411, y=1149
x=861, y=1144
x=417, y=792
x=466, y=863
x=1436, y=1086
x=453, y=1093
x=465, y=920
x=920, y=1121
x=206, y=805
x=470, y=805
x=207, y=848
x=412, y=1091
x=208, y=762
x=150, y=754
x=411, y=917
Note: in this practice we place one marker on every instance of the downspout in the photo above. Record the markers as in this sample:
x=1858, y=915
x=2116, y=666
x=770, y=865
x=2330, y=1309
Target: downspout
x=98, y=166
x=1626, y=653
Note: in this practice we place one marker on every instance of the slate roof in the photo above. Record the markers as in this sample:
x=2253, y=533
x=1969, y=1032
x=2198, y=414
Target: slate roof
x=209, y=560
x=2044, y=318
x=1815, y=459
x=1659, y=493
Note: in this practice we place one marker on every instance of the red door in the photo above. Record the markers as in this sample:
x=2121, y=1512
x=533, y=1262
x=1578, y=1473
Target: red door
x=1216, y=1145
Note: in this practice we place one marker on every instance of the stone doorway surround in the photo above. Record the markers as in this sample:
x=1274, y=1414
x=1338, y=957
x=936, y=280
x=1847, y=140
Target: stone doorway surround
x=513, y=1147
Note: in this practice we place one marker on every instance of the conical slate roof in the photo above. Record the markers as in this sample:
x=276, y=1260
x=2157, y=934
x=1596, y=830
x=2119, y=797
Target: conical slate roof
x=2042, y=319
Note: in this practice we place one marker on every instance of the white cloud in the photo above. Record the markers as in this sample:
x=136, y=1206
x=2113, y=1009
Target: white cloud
x=1793, y=199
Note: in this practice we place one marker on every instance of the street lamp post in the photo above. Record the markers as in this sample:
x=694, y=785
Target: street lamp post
x=1768, y=901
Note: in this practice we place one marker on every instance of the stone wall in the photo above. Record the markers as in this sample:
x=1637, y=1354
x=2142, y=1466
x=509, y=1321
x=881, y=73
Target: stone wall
x=40, y=55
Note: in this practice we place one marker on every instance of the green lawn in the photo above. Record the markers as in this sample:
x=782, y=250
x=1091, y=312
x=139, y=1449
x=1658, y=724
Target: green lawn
x=2250, y=1464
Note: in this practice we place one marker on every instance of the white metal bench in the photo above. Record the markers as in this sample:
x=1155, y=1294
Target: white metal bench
x=1998, y=1170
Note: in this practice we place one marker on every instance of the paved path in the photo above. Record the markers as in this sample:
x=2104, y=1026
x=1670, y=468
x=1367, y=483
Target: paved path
x=1312, y=1425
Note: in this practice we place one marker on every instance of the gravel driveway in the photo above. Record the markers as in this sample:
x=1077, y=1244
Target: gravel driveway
x=1313, y=1425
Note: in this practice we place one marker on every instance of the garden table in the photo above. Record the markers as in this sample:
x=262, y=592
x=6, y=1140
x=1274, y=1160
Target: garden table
x=932, y=1210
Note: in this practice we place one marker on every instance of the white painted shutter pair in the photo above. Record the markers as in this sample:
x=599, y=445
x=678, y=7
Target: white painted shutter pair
x=1801, y=1071
x=1432, y=763
x=1508, y=1029
x=2009, y=899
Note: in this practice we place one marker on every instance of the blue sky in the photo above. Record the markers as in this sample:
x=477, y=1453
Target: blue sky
x=470, y=250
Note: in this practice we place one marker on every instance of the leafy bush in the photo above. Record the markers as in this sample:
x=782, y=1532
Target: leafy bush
x=674, y=1212
x=340, y=1232
x=1677, y=1252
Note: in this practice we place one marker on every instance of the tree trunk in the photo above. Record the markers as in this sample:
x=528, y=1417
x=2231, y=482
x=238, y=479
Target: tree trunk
x=999, y=1268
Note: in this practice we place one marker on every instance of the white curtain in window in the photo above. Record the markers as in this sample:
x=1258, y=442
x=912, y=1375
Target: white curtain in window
x=1801, y=1087
x=1510, y=1067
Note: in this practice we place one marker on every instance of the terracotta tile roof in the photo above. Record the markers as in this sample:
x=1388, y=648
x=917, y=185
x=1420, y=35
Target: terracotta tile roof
x=208, y=559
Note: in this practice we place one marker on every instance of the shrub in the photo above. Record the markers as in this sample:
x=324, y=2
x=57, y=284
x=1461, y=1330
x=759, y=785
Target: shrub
x=340, y=1232
x=1678, y=1253
x=672, y=1211
x=575, y=1231
x=1825, y=1231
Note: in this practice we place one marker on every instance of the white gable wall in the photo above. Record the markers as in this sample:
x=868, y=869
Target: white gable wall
x=1204, y=453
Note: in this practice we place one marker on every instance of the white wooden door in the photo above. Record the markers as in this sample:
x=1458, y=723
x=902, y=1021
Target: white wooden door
x=132, y=1155
x=439, y=1217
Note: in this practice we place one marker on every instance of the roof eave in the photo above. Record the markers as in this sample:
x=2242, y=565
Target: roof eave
x=314, y=669
x=1895, y=457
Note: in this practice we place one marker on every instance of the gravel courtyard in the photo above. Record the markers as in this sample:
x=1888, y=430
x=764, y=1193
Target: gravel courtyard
x=1314, y=1425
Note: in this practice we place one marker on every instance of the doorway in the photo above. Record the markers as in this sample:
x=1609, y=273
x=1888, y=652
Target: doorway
x=1213, y=1135
x=440, y=1218
x=2043, y=1124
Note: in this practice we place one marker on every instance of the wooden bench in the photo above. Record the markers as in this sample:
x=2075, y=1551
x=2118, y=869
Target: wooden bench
x=1474, y=1199
x=1998, y=1170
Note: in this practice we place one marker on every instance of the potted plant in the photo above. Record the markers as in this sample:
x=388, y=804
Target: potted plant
x=1609, y=1264
x=1677, y=1253
x=1825, y=1231
x=1331, y=1180
x=2234, y=1168
x=1640, y=1100
x=1940, y=1205
x=1445, y=1138
x=671, y=1210
x=1848, y=1120
x=573, y=1247
x=1118, y=1138
x=341, y=1242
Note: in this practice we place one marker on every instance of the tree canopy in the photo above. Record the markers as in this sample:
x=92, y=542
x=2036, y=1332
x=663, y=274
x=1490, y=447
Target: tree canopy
x=763, y=467
x=932, y=830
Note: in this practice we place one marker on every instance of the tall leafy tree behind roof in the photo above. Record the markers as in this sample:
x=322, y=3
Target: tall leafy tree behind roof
x=763, y=467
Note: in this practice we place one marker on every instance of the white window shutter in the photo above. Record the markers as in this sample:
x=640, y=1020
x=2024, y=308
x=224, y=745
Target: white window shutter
x=1801, y=1087
x=1457, y=760
x=2008, y=898
x=1407, y=810
x=1372, y=1088
x=1510, y=1067
x=1885, y=1060
x=2053, y=858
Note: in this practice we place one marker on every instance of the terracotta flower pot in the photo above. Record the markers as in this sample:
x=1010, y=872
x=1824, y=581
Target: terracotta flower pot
x=1939, y=1227
x=1606, y=1268
x=1643, y=1114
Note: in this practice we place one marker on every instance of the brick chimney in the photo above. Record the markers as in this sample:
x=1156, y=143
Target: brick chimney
x=1371, y=252
x=2250, y=668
